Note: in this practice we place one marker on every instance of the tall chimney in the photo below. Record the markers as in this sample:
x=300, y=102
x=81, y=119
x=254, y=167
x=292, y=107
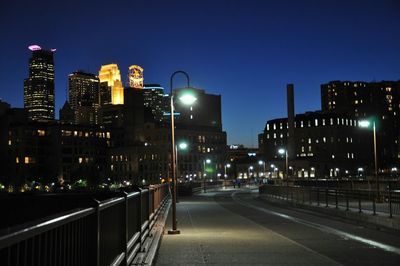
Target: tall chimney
x=290, y=110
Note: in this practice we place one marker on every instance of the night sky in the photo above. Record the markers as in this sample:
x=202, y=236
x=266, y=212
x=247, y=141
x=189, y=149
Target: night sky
x=247, y=51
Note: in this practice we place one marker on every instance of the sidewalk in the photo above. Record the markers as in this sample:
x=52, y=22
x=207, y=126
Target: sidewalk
x=212, y=235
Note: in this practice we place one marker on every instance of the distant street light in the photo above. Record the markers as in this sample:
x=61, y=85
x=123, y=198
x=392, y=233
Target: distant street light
x=282, y=151
x=366, y=124
x=186, y=99
x=226, y=166
x=263, y=164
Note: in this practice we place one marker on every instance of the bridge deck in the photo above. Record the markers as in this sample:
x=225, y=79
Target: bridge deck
x=212, y=234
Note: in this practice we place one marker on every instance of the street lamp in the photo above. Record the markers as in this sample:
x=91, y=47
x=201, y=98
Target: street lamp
x=282, y=151
x=181, y=146
x=366, y=124
x=228, y=165
x=206, y=161
x=249, y=171
x=186, y=99
x=263, y=164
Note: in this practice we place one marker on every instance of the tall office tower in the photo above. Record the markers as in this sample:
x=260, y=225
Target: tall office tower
x=153, y=95
x=111, y=90
x=205, y=111
x=135, y=77
x=84, y=96
x=39, y=86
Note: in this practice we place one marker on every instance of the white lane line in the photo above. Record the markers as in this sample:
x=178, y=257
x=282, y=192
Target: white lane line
x=323, y=228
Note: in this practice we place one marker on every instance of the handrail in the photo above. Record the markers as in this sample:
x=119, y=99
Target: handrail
x=17, y=236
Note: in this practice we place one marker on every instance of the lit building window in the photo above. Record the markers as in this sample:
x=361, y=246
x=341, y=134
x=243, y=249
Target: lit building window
x=333, y=156
x=301, y=124
x=274, y=135
x=316, y=122
x=9, y=142
x=323, y=121
x=26, y=160
x=16, y=160
x=41, y=132
x=267, y=126
x=274, y=126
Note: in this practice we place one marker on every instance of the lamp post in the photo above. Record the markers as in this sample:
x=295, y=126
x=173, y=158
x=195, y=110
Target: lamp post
x=228, y=165
x=263, y=164
x=366, y=124
x=186, y=99
x=206, y=161
x=249, y=172
x=284, y=151
x=181, y=146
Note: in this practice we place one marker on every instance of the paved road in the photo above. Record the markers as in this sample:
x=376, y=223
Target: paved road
x=233, y=227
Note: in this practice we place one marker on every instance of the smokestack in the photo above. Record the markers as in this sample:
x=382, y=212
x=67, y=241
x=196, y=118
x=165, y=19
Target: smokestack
x=290, y=110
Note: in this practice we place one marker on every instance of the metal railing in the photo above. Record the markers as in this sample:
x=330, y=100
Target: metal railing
x=386, y=203
x=102, y=232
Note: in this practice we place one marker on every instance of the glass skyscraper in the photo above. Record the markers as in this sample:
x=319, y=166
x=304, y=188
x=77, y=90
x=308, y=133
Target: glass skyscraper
x=39, y=86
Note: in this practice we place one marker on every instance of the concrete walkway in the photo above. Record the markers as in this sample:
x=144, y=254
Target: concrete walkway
x=212, y=235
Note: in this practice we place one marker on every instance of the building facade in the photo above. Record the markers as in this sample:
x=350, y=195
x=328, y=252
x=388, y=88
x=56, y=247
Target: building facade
x=377, y=101
x=326, y=145
x=84, y=98
x=39, y=86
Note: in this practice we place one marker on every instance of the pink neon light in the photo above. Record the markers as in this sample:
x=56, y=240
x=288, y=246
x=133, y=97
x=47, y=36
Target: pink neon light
x=34, y=47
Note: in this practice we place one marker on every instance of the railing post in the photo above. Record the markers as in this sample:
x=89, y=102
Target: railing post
x=390, y=202
x=336, y=198
x=374, y=203
x=97, y=228
x=326, y=198
x=125, y=237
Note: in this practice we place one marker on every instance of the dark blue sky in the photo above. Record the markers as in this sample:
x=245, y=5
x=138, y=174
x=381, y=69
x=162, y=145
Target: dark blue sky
x=244, y=50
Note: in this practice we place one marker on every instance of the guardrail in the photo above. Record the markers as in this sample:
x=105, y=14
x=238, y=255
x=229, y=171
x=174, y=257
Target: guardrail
x=385, y=203
x=106, y=232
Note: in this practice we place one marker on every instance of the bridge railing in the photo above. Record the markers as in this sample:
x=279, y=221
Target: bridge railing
x=383, y=203
x=109, y=231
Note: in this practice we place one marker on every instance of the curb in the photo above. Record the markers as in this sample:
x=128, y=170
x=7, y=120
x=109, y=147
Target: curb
x=150, y=246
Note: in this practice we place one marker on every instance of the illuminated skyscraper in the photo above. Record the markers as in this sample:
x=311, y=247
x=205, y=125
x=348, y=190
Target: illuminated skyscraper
x=39, y=86
x=153, y=98
x=111, y=90
x=84, y=96
x=135, y=77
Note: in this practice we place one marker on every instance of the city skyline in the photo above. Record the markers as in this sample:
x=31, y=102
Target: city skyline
x=247, y=54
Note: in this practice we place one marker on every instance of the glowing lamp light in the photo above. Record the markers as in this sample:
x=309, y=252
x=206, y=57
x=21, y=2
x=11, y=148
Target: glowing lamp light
x=208, y=161
x=364, y=123
x=34, y=47
x=183, y=145
x=260, y=162
x=281, y=151
x=187, y=99
x=228, y=165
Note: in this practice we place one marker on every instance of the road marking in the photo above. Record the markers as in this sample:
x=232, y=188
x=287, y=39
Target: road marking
x=323, y=228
